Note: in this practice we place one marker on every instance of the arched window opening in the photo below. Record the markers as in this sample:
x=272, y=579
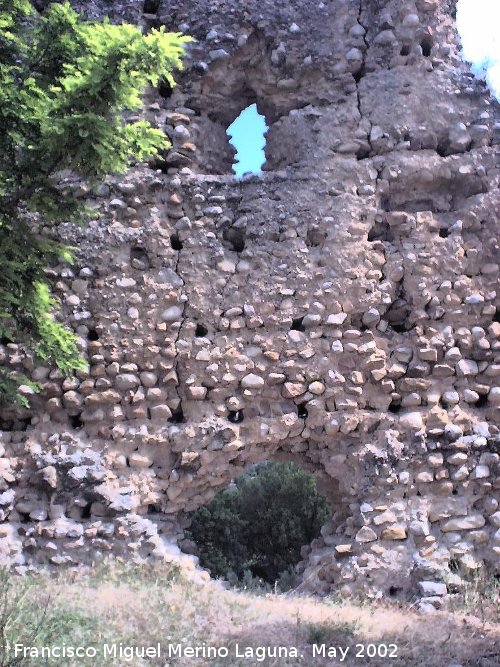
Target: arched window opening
x=247, y=135
x=253, y=533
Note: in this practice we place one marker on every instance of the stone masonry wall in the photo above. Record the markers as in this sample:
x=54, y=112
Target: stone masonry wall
x=340, y=310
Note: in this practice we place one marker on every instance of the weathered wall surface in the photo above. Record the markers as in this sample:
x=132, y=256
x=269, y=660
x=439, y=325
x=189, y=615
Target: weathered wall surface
x=340, y=310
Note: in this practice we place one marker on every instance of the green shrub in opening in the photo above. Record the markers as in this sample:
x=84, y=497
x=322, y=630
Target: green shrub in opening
x=259, y=524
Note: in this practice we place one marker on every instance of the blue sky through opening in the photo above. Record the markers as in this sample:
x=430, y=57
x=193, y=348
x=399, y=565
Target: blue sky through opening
x=478, y=23
x=247, y=136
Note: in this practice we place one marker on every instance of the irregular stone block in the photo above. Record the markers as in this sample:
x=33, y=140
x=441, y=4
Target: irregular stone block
x=464, y=523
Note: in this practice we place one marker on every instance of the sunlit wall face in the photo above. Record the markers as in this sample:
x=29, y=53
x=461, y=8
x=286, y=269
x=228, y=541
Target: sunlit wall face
x=247, y=136
x=478, y=23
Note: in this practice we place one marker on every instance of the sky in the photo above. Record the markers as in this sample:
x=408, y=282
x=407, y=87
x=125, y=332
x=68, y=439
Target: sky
x=478, y=23
x=247, y=134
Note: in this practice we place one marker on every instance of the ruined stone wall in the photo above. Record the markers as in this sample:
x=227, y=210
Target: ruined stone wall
x=340, y=310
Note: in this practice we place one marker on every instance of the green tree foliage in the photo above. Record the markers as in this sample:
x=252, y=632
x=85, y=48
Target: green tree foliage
x=260, y=523
x=65, y=84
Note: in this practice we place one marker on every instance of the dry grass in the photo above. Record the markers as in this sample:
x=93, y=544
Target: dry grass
x=144, y=607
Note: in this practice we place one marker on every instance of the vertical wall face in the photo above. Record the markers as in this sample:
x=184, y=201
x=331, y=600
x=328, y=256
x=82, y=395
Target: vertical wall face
x=341, y=310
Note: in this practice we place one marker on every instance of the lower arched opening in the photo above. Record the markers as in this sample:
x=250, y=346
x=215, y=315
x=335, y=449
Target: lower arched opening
x=255, y=533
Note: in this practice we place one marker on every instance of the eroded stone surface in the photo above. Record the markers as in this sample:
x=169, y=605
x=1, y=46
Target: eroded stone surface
x=340, y=310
